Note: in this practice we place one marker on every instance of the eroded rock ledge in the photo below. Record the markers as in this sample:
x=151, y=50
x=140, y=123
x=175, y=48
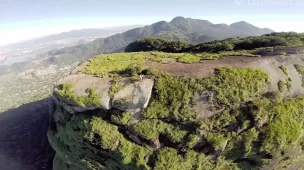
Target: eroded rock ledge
x=132, y=95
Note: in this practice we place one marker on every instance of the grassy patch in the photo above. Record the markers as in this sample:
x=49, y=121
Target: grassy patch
x=196, y=57
x=280, y=133
x=115, y=88
x=169, y=159
x=231, y=86
x=92, y=98
x=284, y=128
x=282, y=86
x=151, y=129
x=192, y=140
x=173, y=99
x=238, y=53
x=216, y=139
x=103, y=134
x=131, y=63
x=300, y=70
x=189, y=59
x=107, y=65
x=284, y=70
x=288, y=84
x=132, y=156
x=184, y=57
x=90, y=142
x=122, y=119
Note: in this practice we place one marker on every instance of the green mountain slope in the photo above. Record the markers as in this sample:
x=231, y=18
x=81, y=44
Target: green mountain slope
x=266, y=42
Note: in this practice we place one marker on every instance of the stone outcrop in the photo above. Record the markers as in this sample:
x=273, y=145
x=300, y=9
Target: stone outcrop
x=205, y=122
x=82, y=82
x=134, y=96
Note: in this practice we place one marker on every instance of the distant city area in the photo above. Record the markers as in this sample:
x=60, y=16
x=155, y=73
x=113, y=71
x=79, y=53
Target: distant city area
x=30, y=85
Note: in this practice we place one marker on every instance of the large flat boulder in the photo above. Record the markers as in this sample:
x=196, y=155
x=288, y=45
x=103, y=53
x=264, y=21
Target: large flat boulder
x=134, y=96
x=82, y=83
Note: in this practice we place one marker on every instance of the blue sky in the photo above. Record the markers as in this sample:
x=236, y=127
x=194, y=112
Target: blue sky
x=26, y=19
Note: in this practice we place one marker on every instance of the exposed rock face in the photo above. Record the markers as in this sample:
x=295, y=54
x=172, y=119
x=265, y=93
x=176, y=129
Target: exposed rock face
x=134, y=96
x=271, y=66
x=83, y=82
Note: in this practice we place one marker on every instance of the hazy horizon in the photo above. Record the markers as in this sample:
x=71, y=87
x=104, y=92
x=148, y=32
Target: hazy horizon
x=69, y=30
x=25, y=20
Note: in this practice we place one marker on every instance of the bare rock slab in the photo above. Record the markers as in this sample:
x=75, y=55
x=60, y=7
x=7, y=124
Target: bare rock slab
x=134, y=96
x=82, y=83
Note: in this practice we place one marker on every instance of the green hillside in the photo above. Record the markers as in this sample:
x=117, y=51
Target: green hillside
x=269, y=41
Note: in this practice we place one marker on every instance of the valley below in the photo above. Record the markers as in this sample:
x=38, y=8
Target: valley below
x=23, y=141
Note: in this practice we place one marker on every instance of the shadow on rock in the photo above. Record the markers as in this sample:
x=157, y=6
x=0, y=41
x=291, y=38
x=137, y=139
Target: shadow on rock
x=23, y=137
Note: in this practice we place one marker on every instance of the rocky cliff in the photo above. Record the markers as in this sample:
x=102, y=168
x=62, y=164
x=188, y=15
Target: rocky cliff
x=152, y=110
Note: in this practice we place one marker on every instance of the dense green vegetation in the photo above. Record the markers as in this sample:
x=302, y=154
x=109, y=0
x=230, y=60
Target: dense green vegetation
x=195, y=57
x=92, y=98
x=104, y=65
x=153, y=44
x=250, y=132
x=240, y=126
x=284, y=70
x=91, y=135
x=232, y=86
x=133, y=63
x=284, y=127
x=300, y=70
x=251, y=45
x=245, y=133
x=282, y=86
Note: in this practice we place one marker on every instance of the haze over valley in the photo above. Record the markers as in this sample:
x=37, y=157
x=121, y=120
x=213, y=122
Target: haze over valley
x=33, y=48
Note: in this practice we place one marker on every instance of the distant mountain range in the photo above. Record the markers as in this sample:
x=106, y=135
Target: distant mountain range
x=180, y=28
x=184, y=29
x=76, y=36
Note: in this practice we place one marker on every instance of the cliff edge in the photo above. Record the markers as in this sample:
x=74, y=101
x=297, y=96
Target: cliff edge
x=165, y=111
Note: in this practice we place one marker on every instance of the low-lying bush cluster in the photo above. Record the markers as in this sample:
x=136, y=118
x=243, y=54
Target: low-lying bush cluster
x=92, y=98
x=300, y=70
